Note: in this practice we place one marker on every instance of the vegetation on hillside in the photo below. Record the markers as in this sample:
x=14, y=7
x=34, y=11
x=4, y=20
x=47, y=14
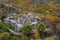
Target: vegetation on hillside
x=50, y=11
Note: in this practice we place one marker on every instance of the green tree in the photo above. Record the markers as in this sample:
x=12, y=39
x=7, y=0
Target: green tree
x=14, y=38
x=26, y=30
x=3, y=27
x=41, y=27
x=2, y=17
x=41, y=30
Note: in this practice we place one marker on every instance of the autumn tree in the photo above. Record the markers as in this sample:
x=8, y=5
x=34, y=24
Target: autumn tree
x=52, y=5
x=5, y=36
x=24, y=4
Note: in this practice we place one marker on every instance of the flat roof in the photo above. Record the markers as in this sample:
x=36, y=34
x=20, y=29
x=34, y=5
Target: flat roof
x=19, y=25
x=34, y=22
x=13, y=21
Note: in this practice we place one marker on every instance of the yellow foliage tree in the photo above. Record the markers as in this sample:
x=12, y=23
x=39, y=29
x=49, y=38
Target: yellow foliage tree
x=32, y=8
x=24, y=4
x=51, y=38
x=52, y=5
x=36, y=35
x=4, y=36
x=47, y=15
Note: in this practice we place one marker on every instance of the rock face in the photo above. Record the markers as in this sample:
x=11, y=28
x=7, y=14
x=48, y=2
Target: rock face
x=8, y=9
x=37, y=2
x=8, y=1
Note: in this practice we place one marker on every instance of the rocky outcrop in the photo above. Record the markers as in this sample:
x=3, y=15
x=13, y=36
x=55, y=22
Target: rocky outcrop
x=8, y=9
